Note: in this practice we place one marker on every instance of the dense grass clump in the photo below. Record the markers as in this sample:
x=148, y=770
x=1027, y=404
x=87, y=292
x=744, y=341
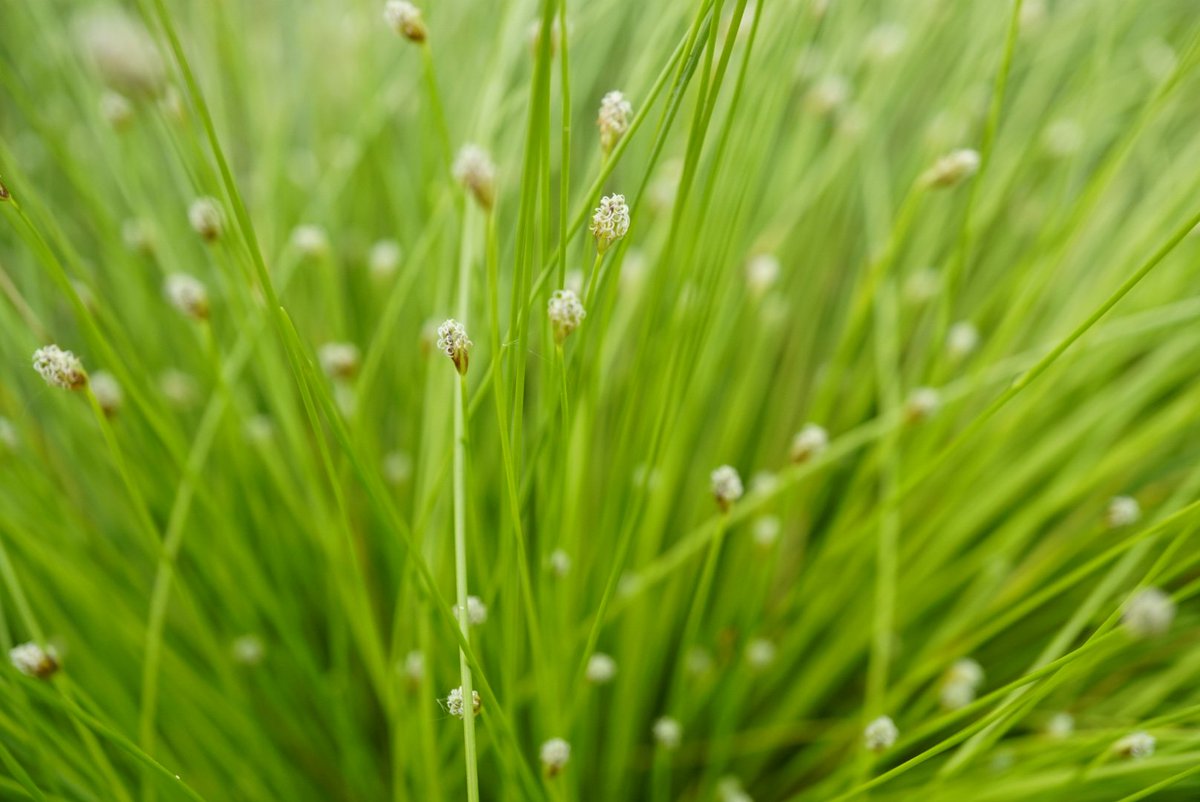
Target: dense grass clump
x=689, y=400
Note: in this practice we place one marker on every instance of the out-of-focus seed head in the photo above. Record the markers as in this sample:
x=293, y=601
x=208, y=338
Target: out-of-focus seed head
x=1061, y=725
x=880, y=734
x=762, y=272
x=827, y=95
x=34, y=661
x=922, y=286
x=962, y=339
x=1136, y=745
x=477, y=611
x=453, y=342
x=138, y=236
x=726, y=486
x=187, y=294
x=311, y=241
x=178, y=388
x=405, y=19
x=614, y=118
x=566, y=313
x=809, y=443
x=206, y=218
x=698, y=662
x=952, y=169
x=339, y=360
x=60, y=368
x=384, y=258
x=397, y=467
x=259, y=430
x=414, y=667
x=610, y=221
x=957, y=695
x=923, y=404
x=667, y=732
x=454, y=702
x=9, y=439
x=122, y=52
x=559, y=563
x=884, y=42
x=966, y=671
x=601, y=669
x=116, y=110
x=535, y=37
x=248, y=650
x=766, y=530
x=474, y=169
x=1149, y=613
x=760, y=653
x=1063, y=138
x=555, y=753
x=1123, y=511
x=729, y=789
x=108, y=392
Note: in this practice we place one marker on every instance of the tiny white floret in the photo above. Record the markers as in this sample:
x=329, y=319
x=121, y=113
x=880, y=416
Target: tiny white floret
x=1136, y=745
x=1123, y=511
x=1149, y=613
x=809, y=443
x=555, y=753
x=614, y=119
x=601, y=668
x=59, y=368
x=667, y=732
x=880, y=734
x=610, y=221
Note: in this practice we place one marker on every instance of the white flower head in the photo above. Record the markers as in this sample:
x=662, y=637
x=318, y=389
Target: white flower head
x=956, y=695
x=137, y=236
x=1123, y=511
x=1136, y=745
x=760, y=653
x=1033, y=14
x=667, y=732
x=405, y=19
x=34, y=661
x=923, y=404
x=116, y=109
x=397, y=467
x=414, y=666
x=59, y=368
x=726, y=486
x=1149, y=613
x=766, y=530
x=555, y=753
x=8, y=435
x=880, y=734
x=922, y=286
x=178, y=388
x=828, y=94
x=559, y=562
x=108, y=392
x=962, y=339
x=601, y=669
x=966, y=671
x=207, y=218
x=310, y=240
x=454, y=702
x=187, y=294
x=477, y=612
x=762, y=272
x=384, y=258
x=566, y=313
x=473, y=168
x=952, y=169
x=122, y=52
x=615, y=112
x=764, y=482
x=729, y=789
x=610, y=221
x=259, y=429
x=1061, y=725
x=339, y=360
x=1063, y=138
x=884, y=42
x=452, y=341
x=809, y=443
x=248, y=650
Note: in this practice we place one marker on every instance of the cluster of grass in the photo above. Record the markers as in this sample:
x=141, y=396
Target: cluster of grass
x=244, y=550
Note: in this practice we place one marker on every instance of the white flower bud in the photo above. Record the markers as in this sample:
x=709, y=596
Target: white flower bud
x=880, y=734
x=1063, y=138
x=107, y=391
x=760, y=653
x=414, y=667
x=1060, y=725
x=248, y=650
x=762, y=272
x=601, y=669
x=452, y=341
x=1149, y=613
x=122, y=53
x=206, y=218
x=187, y=294
x=610, y=222
x=454, y=702
x=615, y=113
x=59, y=368
x=339, y=360
x=667, y=732
x=566, y=313
x=952, y=169
x=726, y=486
x=1136, y=745
x=962, y=339
x=405, y=19
x=397, y=467
x=34, y=661
x=559, y=562
x=311, y=241
x=384, y=258
x=1123, y=511
x=766, y=530
x=809, y=443
x=729, y=789
x=555, y=753
x=957, y=695
x=923, y=404
x=477, y=611
x=473, y=168
x=116, y=110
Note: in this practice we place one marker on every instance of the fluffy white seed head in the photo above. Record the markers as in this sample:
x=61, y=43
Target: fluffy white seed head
x=809, y=443
x=477, y=612
x=34, y=661
x=1149, y=613
x=966, y=671
x=762, y=272
x=615, y=114
x=453, y=342
x=555, y=753
x=1061, y=725
x=880, y=734
x=116, y=110
x=610, y=221
x=108, y=392
x=138, y=236
x=962, y=339
x=729, y=789
x=559, y=562
x=473, y=168
x=760, y=653
x=339, y=360
x=454, y=702
x=601, y=668
x=59, y=368
x=957, y=695
x=1123, y=511
x=405, y=19
x=1136, y=745
x=952, y=169
x=310, y=240
x=923, y=404
x=248, y=650
x=566, y=313
x=122, y=53
x=726, y=486
x=414, y=666
x=384, y=258
x=766, y=530
x=667, y=732
x=961, y=683
x=187, y=294
x=206, y=218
